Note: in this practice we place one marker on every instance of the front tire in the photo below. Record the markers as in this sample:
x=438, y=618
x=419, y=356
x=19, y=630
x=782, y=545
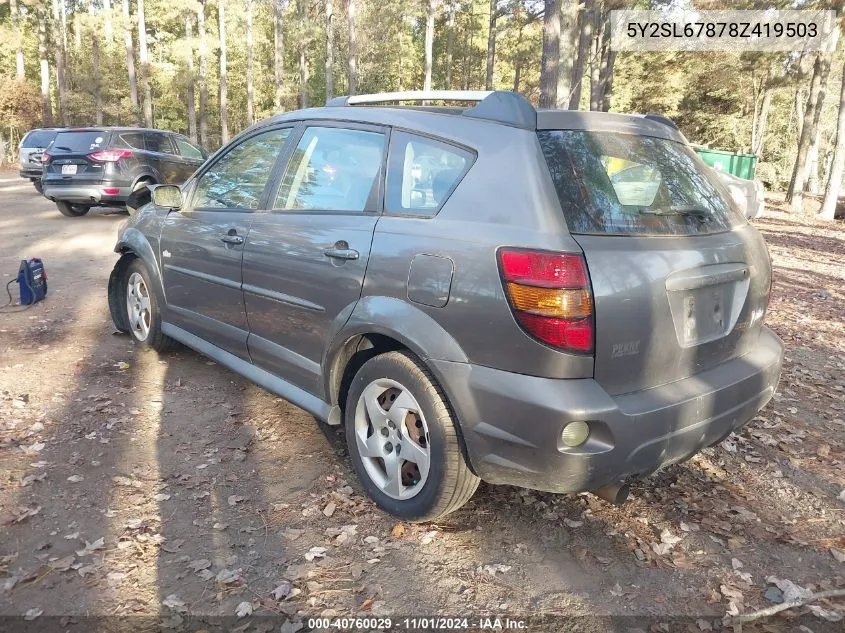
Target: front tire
x=403, y=440
x=72, y=210
x=141, y=309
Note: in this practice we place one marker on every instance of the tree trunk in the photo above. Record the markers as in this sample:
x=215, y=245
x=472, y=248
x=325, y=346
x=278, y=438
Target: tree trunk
x=491, y=45
x=567, y=51
x=250, y=89
x=63, y=12
x=606, y=77
x=834, y=177
x=20, y=71
x=551, y=53
x=586, y=21
x=598, y=59
x=812, y=185
x=303, y=55
x=353, y=49
x=812, y=113
x=429, y=41
x=224, y=75
x=143, y=57
x=95, y=64
x=450, y=44
x=46, y=105
x=107, y=27
x=130, y=61
x=329, y=50
x=189, y=80
x=762, y=120
x=278, y=54
x=59, y=56
x=203, y=78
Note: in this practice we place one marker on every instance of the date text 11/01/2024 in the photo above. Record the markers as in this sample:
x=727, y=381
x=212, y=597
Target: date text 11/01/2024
x=490, y=623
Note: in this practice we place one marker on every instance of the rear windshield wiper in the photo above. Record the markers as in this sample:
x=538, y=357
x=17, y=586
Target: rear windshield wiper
x=699, y=213
x=67, y=149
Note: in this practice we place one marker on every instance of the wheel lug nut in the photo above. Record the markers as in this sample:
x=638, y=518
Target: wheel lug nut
x=385, y=432
x=388, y=448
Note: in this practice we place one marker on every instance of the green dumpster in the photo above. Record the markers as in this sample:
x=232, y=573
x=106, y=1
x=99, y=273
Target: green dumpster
x=739, y=165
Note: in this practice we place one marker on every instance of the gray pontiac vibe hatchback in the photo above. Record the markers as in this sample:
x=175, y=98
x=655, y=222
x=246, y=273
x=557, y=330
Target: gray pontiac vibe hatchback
x=558, y=300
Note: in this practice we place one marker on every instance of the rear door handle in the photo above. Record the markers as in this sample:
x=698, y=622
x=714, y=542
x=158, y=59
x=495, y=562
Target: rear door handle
x=341, y=253
x=232, y=239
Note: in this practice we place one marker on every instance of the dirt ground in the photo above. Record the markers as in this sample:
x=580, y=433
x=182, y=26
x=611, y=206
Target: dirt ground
x=133, y=484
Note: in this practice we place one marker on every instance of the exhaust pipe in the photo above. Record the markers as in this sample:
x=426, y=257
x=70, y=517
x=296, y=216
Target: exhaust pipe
x=615, y=494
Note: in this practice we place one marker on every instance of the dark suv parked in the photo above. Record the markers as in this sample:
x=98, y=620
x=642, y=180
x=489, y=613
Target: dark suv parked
x=558, y=300
x=104, y=166
x=30, y=151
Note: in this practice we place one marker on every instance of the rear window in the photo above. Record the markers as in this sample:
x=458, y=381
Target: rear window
x=80, y=142
x=38, y=138
x=626, y=184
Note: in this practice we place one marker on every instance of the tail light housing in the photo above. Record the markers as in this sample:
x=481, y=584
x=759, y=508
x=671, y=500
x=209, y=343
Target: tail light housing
x=45, y=158
x=110, y=155
x=550, y=296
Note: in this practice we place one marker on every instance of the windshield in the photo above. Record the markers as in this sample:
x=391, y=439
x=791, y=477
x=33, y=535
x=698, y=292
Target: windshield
x=38, y=139
x=627, y=184
x=79, y=142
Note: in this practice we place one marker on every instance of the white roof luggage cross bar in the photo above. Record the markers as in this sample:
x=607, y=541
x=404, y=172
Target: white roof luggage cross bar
x=501, y=106
x=420, y=95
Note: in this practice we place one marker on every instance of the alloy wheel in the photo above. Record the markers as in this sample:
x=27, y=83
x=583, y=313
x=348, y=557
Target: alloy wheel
x=138, y=306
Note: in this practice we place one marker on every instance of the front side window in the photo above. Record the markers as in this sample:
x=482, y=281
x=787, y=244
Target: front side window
x=332, y=169
x=626, y=184
x=422, y=173
x=238, y=178
x=186, y=149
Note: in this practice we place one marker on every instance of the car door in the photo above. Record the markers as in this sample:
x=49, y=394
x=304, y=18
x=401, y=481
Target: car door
x=202, y=244
x=305, y=258
x=163, y=157
x=191, y=155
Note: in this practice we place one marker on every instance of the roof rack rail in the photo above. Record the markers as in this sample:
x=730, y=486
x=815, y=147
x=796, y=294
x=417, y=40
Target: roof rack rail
x=659, y=118
x=501, y=106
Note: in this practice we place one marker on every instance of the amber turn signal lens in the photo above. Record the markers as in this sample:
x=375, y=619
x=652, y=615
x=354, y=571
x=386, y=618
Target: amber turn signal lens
x=565, y=303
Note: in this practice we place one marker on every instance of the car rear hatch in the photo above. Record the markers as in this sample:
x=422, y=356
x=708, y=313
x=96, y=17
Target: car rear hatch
x=680, y=282
x=32, y=147
x=71, y=161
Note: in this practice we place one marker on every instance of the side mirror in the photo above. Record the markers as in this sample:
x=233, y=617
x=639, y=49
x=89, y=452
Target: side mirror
x=167, y=196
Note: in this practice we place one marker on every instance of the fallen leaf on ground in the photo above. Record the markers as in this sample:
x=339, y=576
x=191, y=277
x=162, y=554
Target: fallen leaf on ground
x=398, y=531
x=33, y=613
x=315, y=552
x=243, y=609
x=282, y=591
x=91, y=547
x=838, y=554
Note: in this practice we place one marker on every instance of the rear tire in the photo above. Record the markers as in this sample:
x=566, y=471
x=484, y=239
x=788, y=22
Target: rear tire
x=403, y=440
x=142, y=313
x=72, y=210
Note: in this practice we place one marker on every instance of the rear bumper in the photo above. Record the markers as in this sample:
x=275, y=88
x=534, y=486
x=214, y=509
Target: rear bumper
x=512, y=423
x=86, y=194
x=30, y=172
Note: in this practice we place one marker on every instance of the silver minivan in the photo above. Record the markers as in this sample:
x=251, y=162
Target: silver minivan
x=558, y=300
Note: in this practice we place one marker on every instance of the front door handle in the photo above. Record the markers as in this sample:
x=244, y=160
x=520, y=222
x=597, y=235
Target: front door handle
x=232, y=239
x=341, y=253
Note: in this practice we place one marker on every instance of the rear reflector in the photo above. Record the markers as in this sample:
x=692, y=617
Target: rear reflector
x=550, y=296
x=110, y=155
x=111, y=191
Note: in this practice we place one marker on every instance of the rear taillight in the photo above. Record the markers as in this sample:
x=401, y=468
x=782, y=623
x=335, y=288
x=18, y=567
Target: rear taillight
x=110, y=155
x=550, y=296
x=45, y=158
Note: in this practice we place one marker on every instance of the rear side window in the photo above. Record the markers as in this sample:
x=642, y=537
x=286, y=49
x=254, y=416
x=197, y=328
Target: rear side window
x=133, y=140
x=38, y=139
x=626, y=184
x=157, y=142
x=80, y=142
x=422, y=173
x=332, y=169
